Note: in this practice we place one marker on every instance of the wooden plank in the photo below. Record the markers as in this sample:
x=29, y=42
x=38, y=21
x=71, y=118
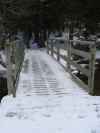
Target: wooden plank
x=80, y=53
x=80, y=82
x=52, y=50
x=78, y=66
x=68, y=65
x=47, y=47
x=61, y=45
x=9, y=83
x=92, y=69
x=58, y=54
x=64, y=57
x=55, y=51
x=57, y=43
x=60, y=39
x=77, y=41
x=84, y=42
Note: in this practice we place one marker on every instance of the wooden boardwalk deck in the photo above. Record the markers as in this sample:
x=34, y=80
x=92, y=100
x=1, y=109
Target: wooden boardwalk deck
x=48, y=101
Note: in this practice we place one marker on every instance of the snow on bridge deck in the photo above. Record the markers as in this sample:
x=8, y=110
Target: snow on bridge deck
x=48, y=101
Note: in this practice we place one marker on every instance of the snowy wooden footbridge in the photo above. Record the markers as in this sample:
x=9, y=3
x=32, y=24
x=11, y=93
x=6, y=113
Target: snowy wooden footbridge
x=63, y=49
x=48, y=101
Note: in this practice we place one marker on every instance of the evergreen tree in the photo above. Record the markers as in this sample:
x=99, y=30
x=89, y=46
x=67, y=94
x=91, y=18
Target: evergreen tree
x=40, y=15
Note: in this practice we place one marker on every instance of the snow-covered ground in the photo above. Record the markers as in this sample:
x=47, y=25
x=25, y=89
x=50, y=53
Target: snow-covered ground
x=48, y=101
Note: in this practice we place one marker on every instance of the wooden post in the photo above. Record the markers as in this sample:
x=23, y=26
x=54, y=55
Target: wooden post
x=58, y=53
x=9, y=68
x=70, y=45
x=69, y=56
x=7, y=50
x=47, y=47
x=52, y=48
x=47, y=44
x=92, y=69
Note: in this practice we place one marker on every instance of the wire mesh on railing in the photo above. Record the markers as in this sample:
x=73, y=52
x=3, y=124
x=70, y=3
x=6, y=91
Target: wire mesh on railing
x=15, y=57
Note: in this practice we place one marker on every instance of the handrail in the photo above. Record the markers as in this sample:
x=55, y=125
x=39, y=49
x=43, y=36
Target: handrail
x=55, y=42
x=15, y=57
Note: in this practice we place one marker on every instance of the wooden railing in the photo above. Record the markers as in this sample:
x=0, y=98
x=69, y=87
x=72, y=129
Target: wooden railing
x=54, y=47
x=14, y=58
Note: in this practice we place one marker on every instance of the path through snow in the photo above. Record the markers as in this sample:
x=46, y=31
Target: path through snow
x=48, y=101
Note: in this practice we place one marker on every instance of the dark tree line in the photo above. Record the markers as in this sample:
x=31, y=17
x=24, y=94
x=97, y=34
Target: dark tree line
x=38, y=16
